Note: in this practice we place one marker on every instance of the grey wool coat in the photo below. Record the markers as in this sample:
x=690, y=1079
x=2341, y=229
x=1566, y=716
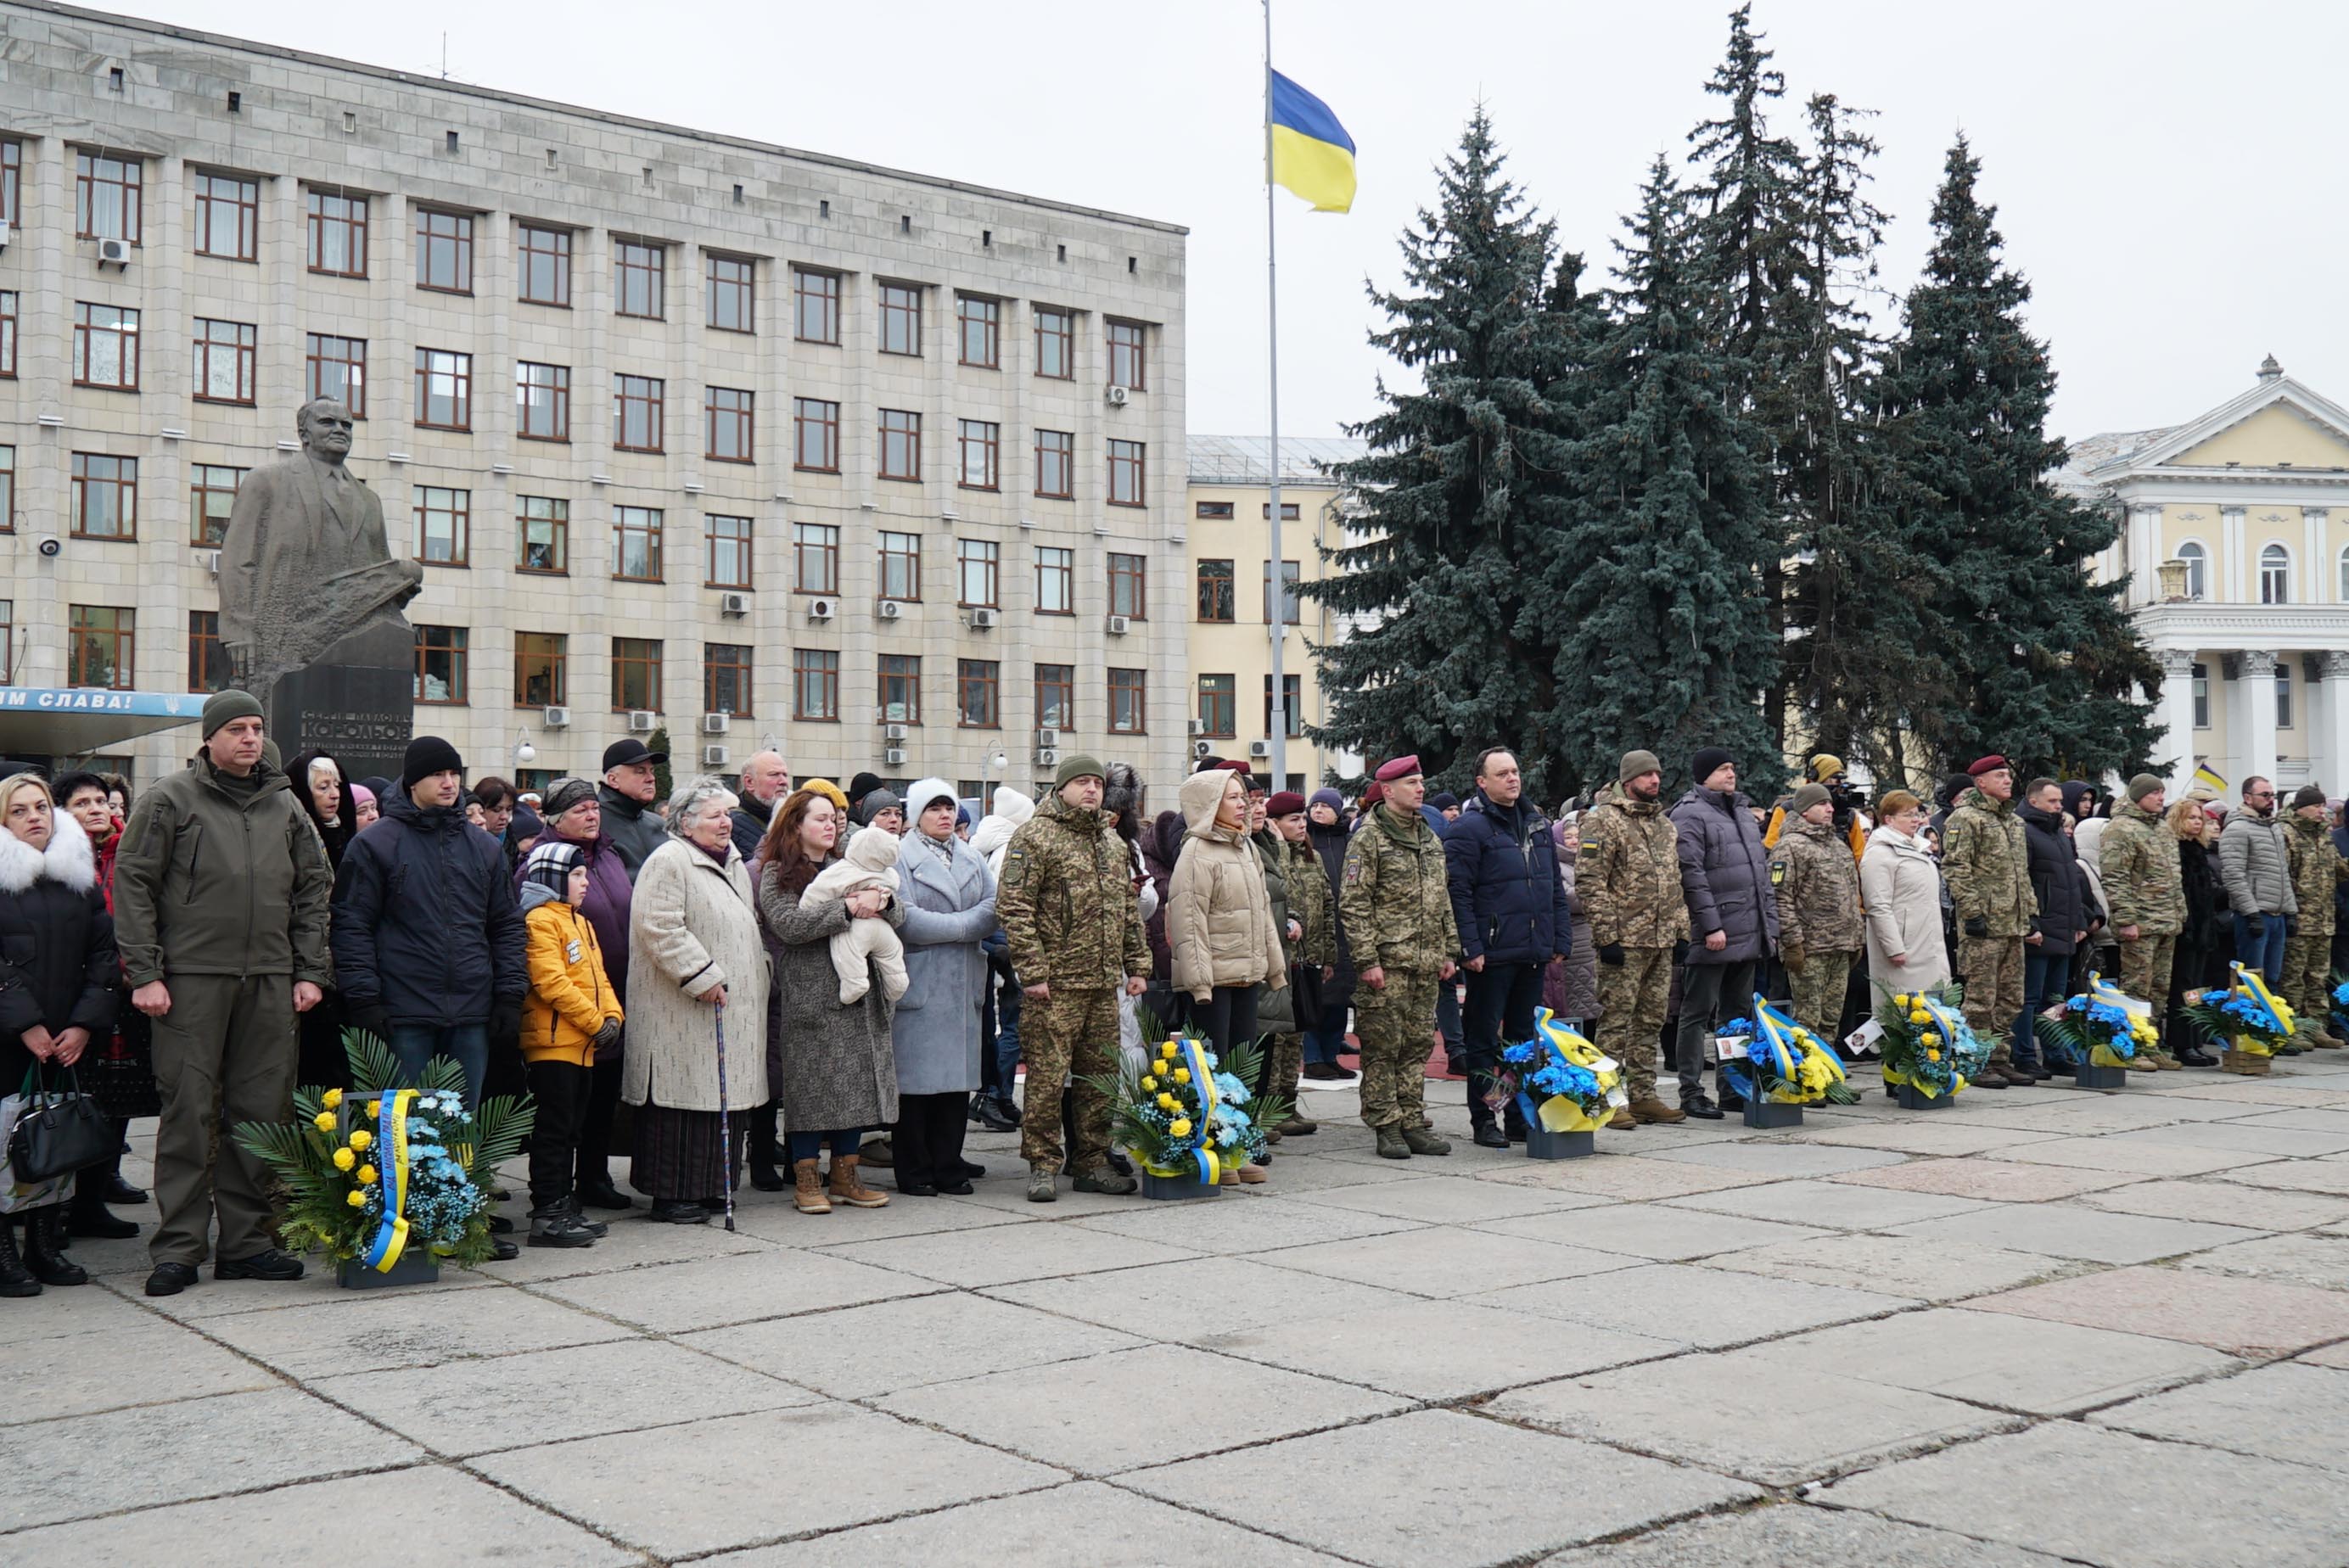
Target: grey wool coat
x=949, y=910
x=832, y=1067
x=691, y=930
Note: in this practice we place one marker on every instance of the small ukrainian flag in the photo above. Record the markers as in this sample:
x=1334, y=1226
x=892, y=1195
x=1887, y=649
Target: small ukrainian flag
x=1311, y=153
x=2205, y=777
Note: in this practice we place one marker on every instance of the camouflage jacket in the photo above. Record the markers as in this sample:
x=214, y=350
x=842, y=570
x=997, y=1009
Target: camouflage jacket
x=1817, y=886
x=1067, y=902
x=1396, y=900
x=1987, y=863
x=2316, y=865
x=2144, y=883
x=1308, y=905
x=1628, y=873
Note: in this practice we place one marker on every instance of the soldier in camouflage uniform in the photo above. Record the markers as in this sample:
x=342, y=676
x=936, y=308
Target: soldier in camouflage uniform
x=2145, y=886
x=2316, y=867
x=1069, y=911
x=1293, y=867
x=1819, y=932
x=1628, y=873
x=1396, y=904
x=1987, y=864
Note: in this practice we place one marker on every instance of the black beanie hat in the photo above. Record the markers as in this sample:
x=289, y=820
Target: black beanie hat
x=861, y=786
x=1701, y=767
x=428, y=755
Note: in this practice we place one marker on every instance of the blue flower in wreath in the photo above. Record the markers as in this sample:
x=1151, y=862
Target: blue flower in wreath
x=1230, y=1089
x=1526, y=1051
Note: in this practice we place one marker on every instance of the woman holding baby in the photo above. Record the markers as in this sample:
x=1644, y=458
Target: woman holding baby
x=695, y=969
x=832, y=1063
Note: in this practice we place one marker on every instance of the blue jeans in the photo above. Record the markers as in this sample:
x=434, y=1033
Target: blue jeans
x=2043, y=978
x=806, y=1145
x=467, y=1045
x=2265, y=953
x=1323, y=1042
x=1006, y=1039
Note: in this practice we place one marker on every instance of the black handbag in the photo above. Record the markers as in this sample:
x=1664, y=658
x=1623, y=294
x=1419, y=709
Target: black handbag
x=59, y=1130
x=1305, y=994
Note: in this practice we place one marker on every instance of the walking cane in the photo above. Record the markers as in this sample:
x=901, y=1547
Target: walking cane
x=725, y=1127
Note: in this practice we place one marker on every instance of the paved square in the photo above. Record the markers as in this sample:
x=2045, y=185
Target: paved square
x=2035, y=1328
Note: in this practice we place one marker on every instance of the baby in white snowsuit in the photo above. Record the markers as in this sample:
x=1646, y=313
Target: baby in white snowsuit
x=871, y=862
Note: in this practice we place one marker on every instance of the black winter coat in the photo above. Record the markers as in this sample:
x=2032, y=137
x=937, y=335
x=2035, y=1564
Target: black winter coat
x=635, y=828
x=1329, y=843
x=426, y=924
x=1506, y=898
x=1725, y=877
x=59, y=968
x=2056, y=878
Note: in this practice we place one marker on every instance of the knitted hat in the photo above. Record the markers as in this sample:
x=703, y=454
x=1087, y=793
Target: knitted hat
x=1075, y=768
x=361, y=792
x=551, y=865
x=526, y=824
x=1287, y=803
x=1638, y=765
x=1706, y=762
x=861, y=786
x=1990, y=764
x=1329, y=797
x=223, y=705
x=1444, y=801
x=877, y=802
x=2145, y=784
x=1400, y=768
x=567, y=793
x=1826, y=765
x=1808, y=796
x=828, y=789
x=428, y=755
x=2306, y=794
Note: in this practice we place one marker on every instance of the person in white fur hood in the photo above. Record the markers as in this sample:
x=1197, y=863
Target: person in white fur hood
x=993, y=834
x=871, y=862
x=60, y=985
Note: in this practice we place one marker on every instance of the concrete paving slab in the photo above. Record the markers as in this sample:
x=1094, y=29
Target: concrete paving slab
x=980, y=1257
x=2328, y=1356
x=2306, y=1120
x=675, y=1497
x=1990, y=1180
x=2288, y=1411
x=1311, y=1174
x=1413, y=1482
x=2329, y=1175
x=465, y=1407
x=778, y=1222
x=443, y=1516
x=1187, y=1301
x=1942, y=1137
x=363, y=1333
x=2150, y=1505
x=2240, y=1316
x=1781, y=1158
x=2222, y=1203
x=2153, y=1151
x=2316, y=1259
x=632, y=1245
x=2042, y=1368
x=1787, y=1534
x=1741, y=1413
x=1438, y=1350
x=138, y=1458
x=1829, y=1204
x=1084, y=1524
x=1446, y=1260
x=674, y=1298
x=1692, y=1306
x=1441, y=1200
x=151, y=1361
x=1261, y=1225
x=210, y=1298
x=1658, y=1231
x=2067, y=1230
x=2261, y=1140
x=1615, y=1172
x=1946, y=1271
x=2278, y=1091
x=1111, y=1413
x=87, y=1309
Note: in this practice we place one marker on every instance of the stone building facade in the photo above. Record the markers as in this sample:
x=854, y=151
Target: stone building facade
x=770, y=445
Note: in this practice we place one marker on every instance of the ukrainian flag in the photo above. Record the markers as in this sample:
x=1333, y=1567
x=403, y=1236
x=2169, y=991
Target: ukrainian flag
x=1311, y=153
x=2207, y=778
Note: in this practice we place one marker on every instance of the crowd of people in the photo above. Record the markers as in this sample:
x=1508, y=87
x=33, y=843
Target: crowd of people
x=812, y=982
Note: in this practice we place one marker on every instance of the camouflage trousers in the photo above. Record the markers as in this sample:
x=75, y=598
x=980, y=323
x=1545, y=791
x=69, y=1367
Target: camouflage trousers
x=1818, y=992
x=1397, y=1027
x=2308, y=978
x=1070, y=1034
x=1992, y=968
x=2145, y=970
x=1284, y=1066
x=1632, y=996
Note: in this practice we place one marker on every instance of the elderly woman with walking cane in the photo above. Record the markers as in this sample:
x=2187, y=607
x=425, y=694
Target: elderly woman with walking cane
x=697, y=981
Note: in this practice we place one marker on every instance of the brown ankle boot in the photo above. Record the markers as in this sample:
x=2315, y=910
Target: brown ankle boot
x=809, y=1179
x=848, y=1190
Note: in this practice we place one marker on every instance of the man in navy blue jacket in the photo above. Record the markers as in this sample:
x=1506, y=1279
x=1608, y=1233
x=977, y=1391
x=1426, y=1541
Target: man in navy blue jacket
x=1511, y=910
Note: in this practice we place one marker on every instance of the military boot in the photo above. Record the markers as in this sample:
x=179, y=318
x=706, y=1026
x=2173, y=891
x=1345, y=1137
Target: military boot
x=1649, y=1109
x=1391, y=1143
x=1420, y=1140
x=1039, y=1184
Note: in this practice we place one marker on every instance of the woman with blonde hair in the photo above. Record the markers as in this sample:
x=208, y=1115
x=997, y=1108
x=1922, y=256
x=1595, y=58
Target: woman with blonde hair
x=1900, y=886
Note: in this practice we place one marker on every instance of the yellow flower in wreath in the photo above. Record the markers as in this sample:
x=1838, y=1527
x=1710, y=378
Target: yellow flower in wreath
x=332, y=1100
x=362, y=1138
x=323, y=1122
x=374, y=1108
x=1900, y=999
x=1167, y=1103
x=1150, y=1086
x=356, y=1199
x=1179, y=1128
x=1933, y=1055
x=1182, y=1075
x=1167, y=1048
x=1920, y=1016
x=366, y=1175
x=344, y=1159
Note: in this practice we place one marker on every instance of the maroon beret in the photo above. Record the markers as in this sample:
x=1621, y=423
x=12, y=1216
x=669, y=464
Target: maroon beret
x=1401, y=768
x=1287, y=803
x=1989, y=764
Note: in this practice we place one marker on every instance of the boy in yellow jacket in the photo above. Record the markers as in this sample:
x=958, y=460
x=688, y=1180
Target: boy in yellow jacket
x=569, y=1013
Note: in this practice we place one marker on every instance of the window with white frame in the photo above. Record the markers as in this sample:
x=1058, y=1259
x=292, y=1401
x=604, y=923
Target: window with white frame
x=2196, y=559
x=2275, y=575
x=2284, y=693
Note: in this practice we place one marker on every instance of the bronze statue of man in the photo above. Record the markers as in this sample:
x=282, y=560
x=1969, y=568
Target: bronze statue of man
x=306, y=561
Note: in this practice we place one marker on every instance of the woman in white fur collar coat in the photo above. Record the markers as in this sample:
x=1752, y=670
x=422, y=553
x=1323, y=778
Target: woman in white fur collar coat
x=60, y=982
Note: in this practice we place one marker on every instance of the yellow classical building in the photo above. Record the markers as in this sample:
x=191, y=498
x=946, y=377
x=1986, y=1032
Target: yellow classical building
x=2249, y=506
x=1228, y=523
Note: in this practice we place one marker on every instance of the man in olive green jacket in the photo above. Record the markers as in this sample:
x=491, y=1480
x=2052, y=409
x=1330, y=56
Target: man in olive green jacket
x=1628, y=873
x=221, y=890
x=1394, y=899
x=1986, y=860
x=2146, y=886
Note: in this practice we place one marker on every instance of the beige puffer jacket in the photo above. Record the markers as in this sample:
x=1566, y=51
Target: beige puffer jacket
x=1219, y=918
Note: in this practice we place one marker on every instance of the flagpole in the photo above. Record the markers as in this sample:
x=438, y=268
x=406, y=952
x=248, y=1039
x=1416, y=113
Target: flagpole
x=1276, y=579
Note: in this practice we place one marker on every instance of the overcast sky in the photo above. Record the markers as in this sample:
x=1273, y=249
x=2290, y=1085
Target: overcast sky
x=2167, y=174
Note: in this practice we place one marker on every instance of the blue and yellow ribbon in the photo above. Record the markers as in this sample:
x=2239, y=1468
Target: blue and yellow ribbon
x=1558, y=1113
x=1194, y=1055
x=1805, y=1068
x=391, y=1174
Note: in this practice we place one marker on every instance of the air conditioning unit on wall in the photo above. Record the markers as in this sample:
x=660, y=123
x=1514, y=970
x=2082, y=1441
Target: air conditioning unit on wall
x=822, y=609
x=714, y=756
x=642, y=723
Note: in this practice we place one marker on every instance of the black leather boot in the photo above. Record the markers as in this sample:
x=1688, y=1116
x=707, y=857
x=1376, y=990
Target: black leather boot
x=45, y=1248
x=15, y=1279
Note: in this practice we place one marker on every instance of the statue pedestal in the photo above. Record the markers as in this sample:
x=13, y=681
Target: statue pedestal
x=356, y=702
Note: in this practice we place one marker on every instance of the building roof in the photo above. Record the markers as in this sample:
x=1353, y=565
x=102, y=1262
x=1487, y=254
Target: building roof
x=2093, y=452
x=1247, y=459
